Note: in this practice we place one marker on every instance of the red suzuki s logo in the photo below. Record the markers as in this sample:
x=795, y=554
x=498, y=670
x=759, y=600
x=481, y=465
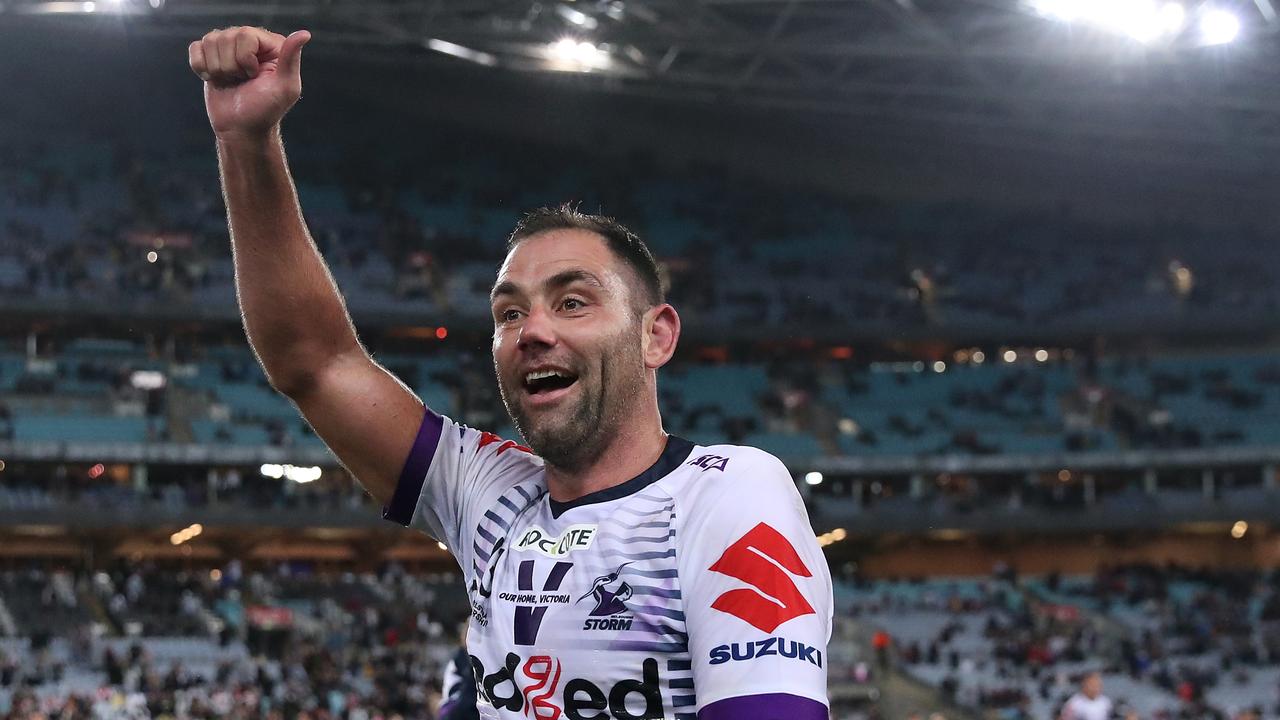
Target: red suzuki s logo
x=773, y=597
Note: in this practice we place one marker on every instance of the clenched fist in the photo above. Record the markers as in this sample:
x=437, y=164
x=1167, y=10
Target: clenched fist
x=252, y=77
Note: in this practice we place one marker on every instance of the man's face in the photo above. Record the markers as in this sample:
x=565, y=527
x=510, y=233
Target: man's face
x=1093, y=686
x=566, y=344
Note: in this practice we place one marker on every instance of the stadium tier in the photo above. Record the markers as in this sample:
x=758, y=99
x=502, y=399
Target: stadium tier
x=116, y=391
x=89, y=226
x=1169, y=639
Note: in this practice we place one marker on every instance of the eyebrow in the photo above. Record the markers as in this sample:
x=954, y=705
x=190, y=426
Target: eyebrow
x=559, y=280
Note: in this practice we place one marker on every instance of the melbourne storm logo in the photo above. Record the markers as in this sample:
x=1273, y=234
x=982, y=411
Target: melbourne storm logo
x=611, y=595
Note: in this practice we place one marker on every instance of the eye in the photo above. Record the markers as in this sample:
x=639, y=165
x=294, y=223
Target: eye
x=509, y=315
x=572, y=304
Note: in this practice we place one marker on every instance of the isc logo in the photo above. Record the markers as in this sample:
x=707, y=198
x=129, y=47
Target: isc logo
x=773, y=597
x=710, y=462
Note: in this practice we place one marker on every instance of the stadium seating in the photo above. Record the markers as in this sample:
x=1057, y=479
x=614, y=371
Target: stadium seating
x=83, y=394
x=80, y=224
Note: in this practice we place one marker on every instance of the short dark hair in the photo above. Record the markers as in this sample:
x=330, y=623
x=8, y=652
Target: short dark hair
x=624, y=244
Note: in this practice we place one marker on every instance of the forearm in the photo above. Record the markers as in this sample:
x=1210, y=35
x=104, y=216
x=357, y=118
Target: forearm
x=293, y=313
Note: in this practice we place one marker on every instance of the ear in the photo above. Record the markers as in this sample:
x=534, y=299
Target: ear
x=661, y=333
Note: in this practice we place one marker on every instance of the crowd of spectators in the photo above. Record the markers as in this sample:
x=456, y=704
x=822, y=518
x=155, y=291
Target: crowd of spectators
x=354, y=648
x=1181, y=643
x=1174, y=643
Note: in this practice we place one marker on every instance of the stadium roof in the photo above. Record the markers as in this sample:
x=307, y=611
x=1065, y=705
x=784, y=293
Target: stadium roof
x=1142, y=106
x=1069, y=71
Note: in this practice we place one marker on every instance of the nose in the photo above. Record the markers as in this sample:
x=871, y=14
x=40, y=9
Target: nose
x=537, y=331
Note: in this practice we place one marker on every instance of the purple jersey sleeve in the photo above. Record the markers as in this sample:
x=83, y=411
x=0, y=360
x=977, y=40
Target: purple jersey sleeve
x=451, y=475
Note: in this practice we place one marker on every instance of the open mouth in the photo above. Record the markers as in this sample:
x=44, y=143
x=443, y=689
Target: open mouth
x=547, y=382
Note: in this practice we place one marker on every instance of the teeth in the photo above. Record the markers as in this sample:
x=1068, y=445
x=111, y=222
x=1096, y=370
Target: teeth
x=541, y=375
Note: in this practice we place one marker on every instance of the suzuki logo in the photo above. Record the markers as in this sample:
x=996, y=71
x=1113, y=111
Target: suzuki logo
x=773, y=597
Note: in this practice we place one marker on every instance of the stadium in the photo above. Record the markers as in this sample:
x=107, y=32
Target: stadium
x=994, y=280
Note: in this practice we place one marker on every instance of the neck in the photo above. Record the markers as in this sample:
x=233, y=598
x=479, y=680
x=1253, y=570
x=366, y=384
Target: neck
x=632, y=450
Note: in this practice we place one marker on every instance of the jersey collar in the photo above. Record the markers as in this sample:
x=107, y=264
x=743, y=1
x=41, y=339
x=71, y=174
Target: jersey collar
x=673, y=455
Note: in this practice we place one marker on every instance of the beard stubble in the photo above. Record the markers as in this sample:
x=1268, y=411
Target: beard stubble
x=596, y=416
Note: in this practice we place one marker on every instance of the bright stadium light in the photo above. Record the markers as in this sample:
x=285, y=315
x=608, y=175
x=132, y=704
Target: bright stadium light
x=302, y=475
x=1138, y=20
x=1065, y=10
x=1142, y=20
x=147, y=379
x=461, y=51
x=186, y=534
x=1172, y=18
x=297, y=474
x=1218, y=27
x=570, y=54
x=813, y=478
x=577, y=17
x=939, y=366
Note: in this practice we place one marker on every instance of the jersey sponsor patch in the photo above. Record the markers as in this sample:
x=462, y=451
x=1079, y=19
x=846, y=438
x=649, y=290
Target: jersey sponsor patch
x=575, y=537
x=768, y=647
x=763, y=558
x=535, y=690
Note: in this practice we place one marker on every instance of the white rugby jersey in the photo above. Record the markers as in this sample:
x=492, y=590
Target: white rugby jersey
x=694, y=590
x=1080, y=707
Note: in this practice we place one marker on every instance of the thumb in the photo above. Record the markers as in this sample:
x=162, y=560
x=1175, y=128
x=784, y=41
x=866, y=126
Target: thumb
x=291, y=52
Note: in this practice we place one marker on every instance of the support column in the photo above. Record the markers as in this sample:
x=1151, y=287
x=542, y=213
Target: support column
x=917, y=486
x=139, y=477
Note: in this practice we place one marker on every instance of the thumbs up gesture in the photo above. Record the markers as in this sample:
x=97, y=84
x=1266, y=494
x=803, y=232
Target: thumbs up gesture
x=252, y=77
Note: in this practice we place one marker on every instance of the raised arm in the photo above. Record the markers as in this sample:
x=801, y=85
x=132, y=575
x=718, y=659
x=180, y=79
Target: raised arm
x=293, y=314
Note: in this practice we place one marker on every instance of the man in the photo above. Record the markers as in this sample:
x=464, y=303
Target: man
x=613, y=571
x=1089, y=703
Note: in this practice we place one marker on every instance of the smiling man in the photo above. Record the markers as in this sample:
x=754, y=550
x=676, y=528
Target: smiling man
x=613, y=571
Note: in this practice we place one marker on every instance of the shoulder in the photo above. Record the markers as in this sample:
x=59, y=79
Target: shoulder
x=739, y=463
x=717, y=470
x=747, y=479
